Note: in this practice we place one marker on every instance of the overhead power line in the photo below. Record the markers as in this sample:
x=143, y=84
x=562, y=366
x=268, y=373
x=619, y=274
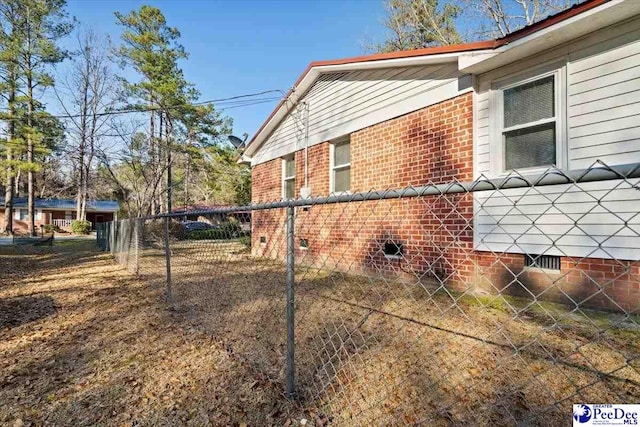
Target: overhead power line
x=232, y=102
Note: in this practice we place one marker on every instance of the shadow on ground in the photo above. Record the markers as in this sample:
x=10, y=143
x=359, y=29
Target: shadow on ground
x=20, y=310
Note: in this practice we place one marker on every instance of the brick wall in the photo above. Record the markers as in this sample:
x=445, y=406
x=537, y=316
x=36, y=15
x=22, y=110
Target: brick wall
x=23, y=226
x=589, y=282
x=432, y=145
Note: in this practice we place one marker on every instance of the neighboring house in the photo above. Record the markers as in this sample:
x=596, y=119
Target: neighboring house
x=564, y=91
x=60, y=212
x=243, y=217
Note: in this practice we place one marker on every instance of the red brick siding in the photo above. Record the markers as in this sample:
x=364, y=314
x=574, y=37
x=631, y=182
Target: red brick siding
x=589, y=282
x=432, y=145
x=23, y=226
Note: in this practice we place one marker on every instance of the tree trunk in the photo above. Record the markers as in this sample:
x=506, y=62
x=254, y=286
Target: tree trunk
x=168, y=128
x=8, y=194
x=81, y=147
x=152, y=155
x=187, y=177
x=159, y=168
x=16, y=181
x=30, y=158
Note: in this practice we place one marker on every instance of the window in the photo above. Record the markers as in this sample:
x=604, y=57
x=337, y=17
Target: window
x=24, y=214
x=304, y=244
x=529, y=121
x=548, y=262
x=393, y=249
x=340, y=166
x=289, y=178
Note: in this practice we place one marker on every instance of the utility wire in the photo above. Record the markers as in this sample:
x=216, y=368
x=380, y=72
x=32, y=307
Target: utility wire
x=238, y=99
x=240, y=104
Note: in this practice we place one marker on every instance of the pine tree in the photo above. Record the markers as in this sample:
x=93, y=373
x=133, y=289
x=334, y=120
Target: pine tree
x=150, y=47
x=10, y=43
x=37, y=27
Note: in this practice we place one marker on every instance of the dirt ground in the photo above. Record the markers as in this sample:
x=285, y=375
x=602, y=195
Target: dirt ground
x=83, y=342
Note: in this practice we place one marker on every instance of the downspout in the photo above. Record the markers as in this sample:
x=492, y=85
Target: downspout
x=306, y=144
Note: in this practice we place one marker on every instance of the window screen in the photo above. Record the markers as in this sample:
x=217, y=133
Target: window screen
x=289, y=179
x=530, y=147
x=341, y=167
x=529, y=127
x=529, y=102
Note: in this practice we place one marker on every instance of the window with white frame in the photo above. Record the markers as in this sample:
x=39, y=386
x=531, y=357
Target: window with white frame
x=530, y=129
x=340, y=179
x=24, y=214
x=289, y=178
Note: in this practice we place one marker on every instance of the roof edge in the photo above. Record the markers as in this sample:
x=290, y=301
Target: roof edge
x=428, y=51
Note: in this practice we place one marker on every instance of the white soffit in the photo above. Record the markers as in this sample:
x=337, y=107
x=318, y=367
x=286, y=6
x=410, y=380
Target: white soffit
x=577, y=26
x=315, y=72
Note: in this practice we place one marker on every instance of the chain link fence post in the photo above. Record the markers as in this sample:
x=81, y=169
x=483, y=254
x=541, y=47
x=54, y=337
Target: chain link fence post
x=137, y=229
x=167, y=254
x=112, y=234
x=290, y=370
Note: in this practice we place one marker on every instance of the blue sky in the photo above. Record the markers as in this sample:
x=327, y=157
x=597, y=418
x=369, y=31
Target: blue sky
x=239, y=47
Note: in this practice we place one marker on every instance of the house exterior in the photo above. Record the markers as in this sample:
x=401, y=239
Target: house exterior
x=60, y=212
x=564, y=92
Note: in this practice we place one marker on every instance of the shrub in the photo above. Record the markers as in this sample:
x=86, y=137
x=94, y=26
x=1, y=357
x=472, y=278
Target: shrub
x=214, y=234
x=246, y=240
x=80, y=227
x=222, y=233
x=231, y=228
x=50, y=228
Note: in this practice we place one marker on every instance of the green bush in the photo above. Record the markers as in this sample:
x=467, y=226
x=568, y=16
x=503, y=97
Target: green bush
x=222, y=233
x=214, y=234
x=231, y=228
x=246, y=240
x=50, y=228
x=80, y=227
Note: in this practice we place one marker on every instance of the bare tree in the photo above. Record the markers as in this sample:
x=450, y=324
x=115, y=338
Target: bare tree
x=131, y=167
x=88, y=92
x=414, y=24
x=497, y=18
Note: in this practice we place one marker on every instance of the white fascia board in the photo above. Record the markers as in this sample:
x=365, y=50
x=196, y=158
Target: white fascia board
x=467, y=61
x=577, y=26
x=309, y=79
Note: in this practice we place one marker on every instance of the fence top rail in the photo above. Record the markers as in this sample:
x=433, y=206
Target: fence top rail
x=599, y=171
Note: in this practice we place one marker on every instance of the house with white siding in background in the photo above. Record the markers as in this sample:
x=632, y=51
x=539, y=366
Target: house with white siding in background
x=564, y=93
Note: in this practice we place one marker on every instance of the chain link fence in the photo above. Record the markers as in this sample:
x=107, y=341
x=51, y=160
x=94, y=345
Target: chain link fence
x=492, y=302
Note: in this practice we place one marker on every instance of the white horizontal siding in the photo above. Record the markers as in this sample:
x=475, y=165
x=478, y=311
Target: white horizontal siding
x=346, y=102
x=599, y=219
x=604, y=100
x=596, y=218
